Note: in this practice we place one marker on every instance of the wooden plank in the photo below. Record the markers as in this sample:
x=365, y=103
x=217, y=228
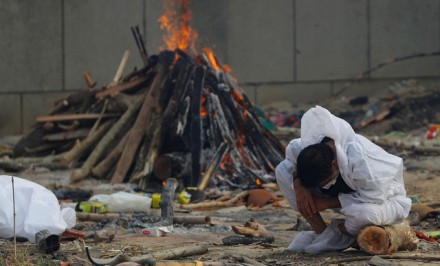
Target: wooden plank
x=112, y=91
x=57, y=118
x=61, y=136
x=143, y=119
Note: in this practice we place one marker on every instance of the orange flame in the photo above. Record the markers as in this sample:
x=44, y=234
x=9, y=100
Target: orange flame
x=226, y=68
x=237, y=95
x=203, y=111
x=258, y=182
x=211, y=57
x=226, y=160
x=179, y=33
x=214, y=62
x=245, y=113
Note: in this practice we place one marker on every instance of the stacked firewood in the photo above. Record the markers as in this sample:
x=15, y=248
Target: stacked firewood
x=179, y=116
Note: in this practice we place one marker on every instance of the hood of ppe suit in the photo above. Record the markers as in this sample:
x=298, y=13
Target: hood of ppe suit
x=318, y=123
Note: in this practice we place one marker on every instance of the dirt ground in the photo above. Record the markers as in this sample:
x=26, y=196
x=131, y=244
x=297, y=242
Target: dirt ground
x=422, y=182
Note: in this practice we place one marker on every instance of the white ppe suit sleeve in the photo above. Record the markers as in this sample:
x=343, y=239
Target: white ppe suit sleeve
x=284, y=172
x=372, y=172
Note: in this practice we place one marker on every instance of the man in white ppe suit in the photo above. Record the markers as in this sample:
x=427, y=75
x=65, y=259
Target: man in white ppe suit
x=331, y=166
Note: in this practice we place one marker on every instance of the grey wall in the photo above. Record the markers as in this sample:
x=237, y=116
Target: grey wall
x=294, y=50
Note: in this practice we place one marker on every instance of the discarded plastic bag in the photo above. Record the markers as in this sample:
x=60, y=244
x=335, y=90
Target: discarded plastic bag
x=124, y=202
x=36, y=209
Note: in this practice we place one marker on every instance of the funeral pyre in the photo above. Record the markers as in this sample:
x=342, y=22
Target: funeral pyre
x=182, y=115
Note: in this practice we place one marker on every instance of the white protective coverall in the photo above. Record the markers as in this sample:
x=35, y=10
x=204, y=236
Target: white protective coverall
x=36, y=209
x=376, y=176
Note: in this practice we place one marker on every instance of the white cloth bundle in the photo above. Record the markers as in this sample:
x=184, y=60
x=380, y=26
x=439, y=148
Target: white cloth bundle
x=36, y=209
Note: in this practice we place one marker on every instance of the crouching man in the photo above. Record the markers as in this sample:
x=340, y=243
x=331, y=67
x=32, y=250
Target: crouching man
x=331, y=166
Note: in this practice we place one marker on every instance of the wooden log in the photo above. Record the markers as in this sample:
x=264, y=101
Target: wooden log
x=116, y=89
x=167, y=202
x=192, y=220
x=387, y=239
x=171, y=165
x=251, y=228
x=176, y=253
x=57, y=118
x=106, y=164
x=150, y=259
x=161, y=125
x=121, y=103
x=44, y=148
x=23, y=163
x=6, y=150
x=136, y=73
x=246, y=240
x=252, y=262
x=179, y=94
x=95, y=125
x=144, y=117
x=414, y=257
x=217, y=204
x=221, y=119
x=105, y=142
x=155, y=136
x=196, y=126
x=62, y=136
x=121, y=67
x=140, y=44
x=72, y=100
x=68, y=127
x=96, y=217
x=78, y=150
x=216, y=159
x=31, y=140
x=88, y=79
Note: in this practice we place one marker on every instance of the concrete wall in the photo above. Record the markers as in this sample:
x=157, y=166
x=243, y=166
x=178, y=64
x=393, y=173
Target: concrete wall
x=294, y=50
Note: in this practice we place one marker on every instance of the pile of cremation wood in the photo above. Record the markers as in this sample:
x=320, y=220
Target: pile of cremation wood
x=179, y=116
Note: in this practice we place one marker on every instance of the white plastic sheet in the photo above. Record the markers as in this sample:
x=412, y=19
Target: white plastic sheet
x=36, y=209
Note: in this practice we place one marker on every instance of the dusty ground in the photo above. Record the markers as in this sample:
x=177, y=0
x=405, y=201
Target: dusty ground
x=422, y=183
x=421, y=179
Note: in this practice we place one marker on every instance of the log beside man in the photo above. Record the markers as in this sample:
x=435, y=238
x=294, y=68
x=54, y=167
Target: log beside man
x=331, y=166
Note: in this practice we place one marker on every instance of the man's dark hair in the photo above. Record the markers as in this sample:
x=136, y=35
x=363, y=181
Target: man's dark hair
x=314, y=164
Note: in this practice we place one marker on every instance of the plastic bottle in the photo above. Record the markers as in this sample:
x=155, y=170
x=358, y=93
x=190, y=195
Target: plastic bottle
x=124, y=202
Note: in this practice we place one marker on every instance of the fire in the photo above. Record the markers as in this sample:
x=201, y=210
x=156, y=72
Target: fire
x=212, y=59
x=214, y=62
x=245, y=114
x=226, y=160
x=179, y=35
x=203, y=111
x=258, y=182
x=226, y=68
